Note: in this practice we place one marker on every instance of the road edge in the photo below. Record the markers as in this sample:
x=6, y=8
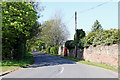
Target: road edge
x=9, y=71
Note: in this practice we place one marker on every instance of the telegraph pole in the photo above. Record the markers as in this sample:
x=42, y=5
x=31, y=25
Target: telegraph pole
x=75, y=21
x=76, y=33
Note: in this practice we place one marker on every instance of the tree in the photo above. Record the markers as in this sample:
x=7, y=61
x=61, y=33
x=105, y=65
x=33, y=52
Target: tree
x=70, y=44
x=78, y=38
x=18, y=21
x=106, y=37
x=89, y=39
x=35, y=31
x=96, y=26
x=54, y=31
x=80, y=34
x=98, y=39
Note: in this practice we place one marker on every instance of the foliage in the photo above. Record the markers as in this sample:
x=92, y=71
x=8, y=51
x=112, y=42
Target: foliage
x=81, y=43
x=80, y=34
x=18, y=21
x=78, y=40
x=111, y=36
x=37, y=45
x=54, y=32
x=70, y=44
x=26, y=62
x=90, y=37
x=106, y=37
x=54, y=50
x=96, y=26
x=99, y=36
x=98, y=39
x=40, y=44
x=48, y=49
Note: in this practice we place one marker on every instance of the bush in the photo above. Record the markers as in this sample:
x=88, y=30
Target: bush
x=54, y=50
x=16, y=30
x=70, y=44
x=48, y=49
x=106, y=37
x=98, y=39
x=81, y=43
x=100, y=36
x=111, y=36
x=80, y=34
x=28, y=60
x=57, y=48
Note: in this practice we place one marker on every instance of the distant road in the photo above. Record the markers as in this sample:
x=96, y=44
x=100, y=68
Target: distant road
x=48, y=66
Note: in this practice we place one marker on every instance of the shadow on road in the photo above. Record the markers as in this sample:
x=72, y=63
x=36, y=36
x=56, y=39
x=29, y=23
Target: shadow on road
x=41, y=60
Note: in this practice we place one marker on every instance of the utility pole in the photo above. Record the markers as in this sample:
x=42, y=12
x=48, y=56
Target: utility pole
x=76, y=33
x=75, y=21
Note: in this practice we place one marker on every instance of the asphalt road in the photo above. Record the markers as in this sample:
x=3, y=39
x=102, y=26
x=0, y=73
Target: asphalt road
x=48, y=66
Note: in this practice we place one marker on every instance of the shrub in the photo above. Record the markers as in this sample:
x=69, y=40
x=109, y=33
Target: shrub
x=54, y=50
x=48, y=49
x=81, y=43
x=111, y=36
x=106, y=37
x=100, y=36
x=16, y=30
x=98, y=39
x=70, y=44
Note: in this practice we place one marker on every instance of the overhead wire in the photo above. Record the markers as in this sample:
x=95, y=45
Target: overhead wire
x=70, y=20
x=101, y=4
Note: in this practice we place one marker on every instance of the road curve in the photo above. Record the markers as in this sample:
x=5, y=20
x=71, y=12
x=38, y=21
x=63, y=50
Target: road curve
x=48, y=66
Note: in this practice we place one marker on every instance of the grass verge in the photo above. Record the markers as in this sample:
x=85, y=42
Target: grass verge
x=91, y=63
x=7, y=68
x=13, y=64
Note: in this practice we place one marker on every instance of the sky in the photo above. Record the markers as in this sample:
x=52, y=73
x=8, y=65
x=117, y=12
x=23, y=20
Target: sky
x=87, y=13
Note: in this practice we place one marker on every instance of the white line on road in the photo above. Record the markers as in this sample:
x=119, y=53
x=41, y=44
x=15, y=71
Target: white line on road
x=62, y=69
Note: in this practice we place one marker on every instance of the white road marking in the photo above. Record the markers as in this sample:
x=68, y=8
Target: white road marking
x=62, y=69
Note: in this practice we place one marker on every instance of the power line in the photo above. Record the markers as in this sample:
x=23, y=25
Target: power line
x=70, y=19
x=89, y=9
x=101, y=4
x=94, y=7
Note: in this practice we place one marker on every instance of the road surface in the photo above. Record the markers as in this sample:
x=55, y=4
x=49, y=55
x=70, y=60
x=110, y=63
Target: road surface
x=48, y=66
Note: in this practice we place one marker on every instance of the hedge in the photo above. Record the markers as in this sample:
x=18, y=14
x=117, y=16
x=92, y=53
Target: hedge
x=106, y=37
x=48, y=49
x=54, y=50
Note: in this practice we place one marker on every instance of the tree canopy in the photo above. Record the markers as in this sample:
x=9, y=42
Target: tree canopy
x=18, y=20
x=96, y=37
x=54, y=32
x=96, y=26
